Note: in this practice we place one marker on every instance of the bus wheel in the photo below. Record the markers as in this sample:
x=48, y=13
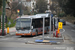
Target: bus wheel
x=22, y=35
x=31, y=34
x=36, y=33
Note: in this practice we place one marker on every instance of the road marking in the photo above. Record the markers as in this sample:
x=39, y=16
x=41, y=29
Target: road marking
x=63, y=31
x=73, y=30
x=20, y=39
x=34, y=37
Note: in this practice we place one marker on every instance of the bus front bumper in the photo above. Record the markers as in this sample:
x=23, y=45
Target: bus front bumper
x=18, y=34
x=25, y=34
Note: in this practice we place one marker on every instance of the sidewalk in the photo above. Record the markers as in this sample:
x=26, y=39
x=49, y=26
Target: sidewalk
x=11, y=31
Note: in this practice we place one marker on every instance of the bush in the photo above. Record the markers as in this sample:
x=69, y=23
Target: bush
x=61, y=14
x=12, y=24
x=0, y=25
x=0, y=13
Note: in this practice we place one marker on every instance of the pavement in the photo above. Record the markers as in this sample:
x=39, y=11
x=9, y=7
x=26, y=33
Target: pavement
x=22, y=46
x=11, y=30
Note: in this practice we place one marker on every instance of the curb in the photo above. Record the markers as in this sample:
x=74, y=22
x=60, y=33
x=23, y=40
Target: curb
x=7, y=35
x=2, y=36
x=54, y=38
x=46, y=41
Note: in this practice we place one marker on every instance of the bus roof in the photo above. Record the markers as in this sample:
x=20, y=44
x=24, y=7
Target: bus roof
x=34, y=16
x=45, y=14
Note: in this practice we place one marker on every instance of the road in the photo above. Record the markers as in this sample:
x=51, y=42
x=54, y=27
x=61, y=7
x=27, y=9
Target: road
x=70, y=32
x=18, y=43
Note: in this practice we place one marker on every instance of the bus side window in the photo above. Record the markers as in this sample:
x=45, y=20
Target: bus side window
x=33, y=25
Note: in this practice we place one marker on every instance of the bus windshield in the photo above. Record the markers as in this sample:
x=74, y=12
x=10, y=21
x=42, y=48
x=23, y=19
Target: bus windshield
x=23, y=24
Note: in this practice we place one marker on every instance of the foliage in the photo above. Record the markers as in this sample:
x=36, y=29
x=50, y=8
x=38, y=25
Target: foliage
x=61, y=14
x=12, y=23
x=41, y=5
x=68, y=6
x=27, y=12
x=0, y=3
x=17, y=5
x=0, y=13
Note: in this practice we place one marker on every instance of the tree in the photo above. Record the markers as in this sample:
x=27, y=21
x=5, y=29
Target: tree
x=0, y=3
x=68, y=6
x=15, y=6
x=41, y=5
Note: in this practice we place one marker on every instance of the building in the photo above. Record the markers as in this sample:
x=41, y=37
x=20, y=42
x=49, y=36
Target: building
x=31, y=4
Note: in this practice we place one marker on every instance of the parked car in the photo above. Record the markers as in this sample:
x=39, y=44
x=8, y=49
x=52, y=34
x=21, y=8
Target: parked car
x=63, y=21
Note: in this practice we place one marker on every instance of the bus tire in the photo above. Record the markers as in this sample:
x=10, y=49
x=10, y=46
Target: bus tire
x=22, y=36
x=36, y=33
x=31, y=34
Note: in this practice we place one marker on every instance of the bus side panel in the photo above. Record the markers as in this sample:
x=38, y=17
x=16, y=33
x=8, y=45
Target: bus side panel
x=34, y=32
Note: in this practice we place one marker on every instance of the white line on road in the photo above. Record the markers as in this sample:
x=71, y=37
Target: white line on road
x=63, y=31
x=73, y=30
x=19, y=39
x=34, y=37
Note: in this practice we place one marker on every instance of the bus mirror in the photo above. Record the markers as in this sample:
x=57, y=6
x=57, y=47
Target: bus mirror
x=31, y=27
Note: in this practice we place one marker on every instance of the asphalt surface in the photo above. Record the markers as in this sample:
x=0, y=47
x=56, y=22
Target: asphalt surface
x=18, y=43
x=22, y=46
x=70, y=32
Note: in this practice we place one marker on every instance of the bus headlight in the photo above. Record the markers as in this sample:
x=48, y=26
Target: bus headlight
x=16, y=32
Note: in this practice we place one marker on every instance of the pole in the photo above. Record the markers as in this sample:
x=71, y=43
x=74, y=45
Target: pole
x=3, y=15
x=50, y=25
x=21, y=13
x=53, y=28
x=1, y=22
x=53, y=24
x=43, y=26
x=20, y=2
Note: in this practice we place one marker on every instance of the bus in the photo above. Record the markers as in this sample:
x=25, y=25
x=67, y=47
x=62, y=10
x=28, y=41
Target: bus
x=32, y=25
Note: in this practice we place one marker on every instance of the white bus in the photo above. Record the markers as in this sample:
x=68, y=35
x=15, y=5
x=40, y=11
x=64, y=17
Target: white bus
x=31, y=25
